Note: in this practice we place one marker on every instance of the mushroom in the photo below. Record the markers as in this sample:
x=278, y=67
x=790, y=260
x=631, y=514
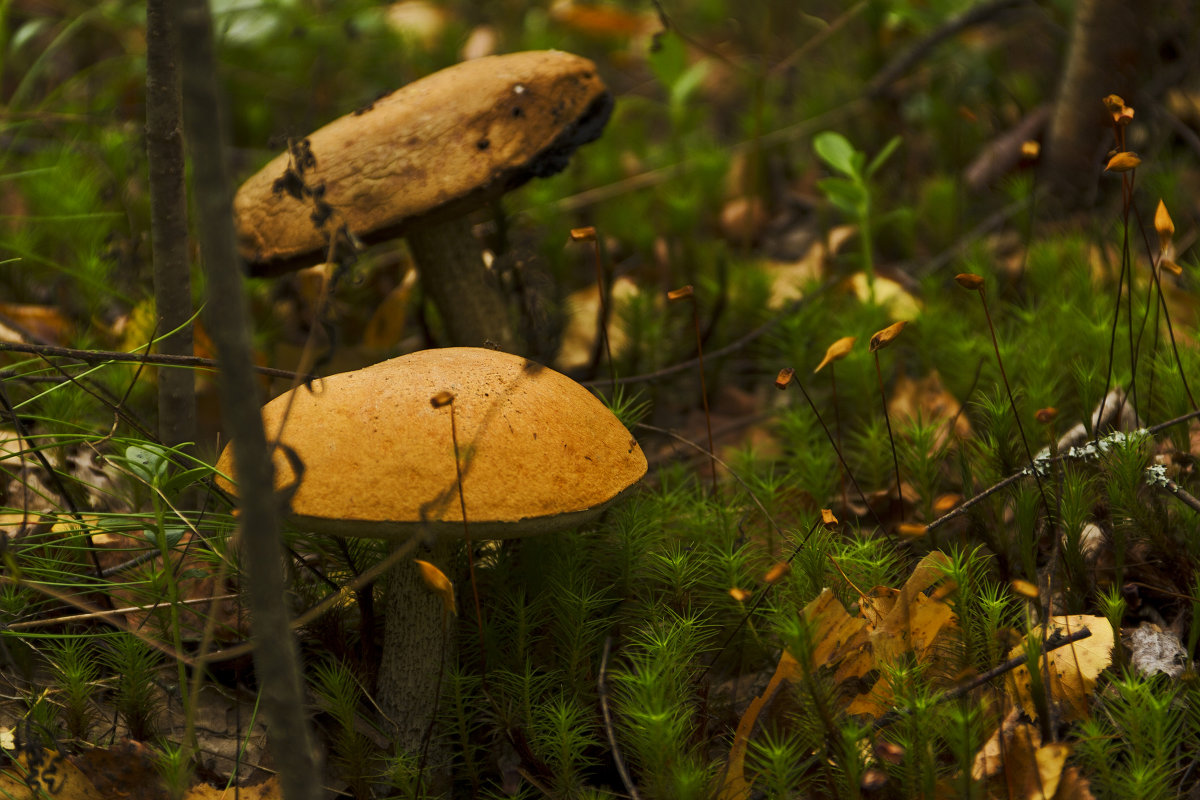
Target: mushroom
x=537, y=451
x=416, y=163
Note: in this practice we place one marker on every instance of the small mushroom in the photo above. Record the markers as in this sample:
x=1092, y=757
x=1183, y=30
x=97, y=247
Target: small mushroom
x=538, y=453
x=416, y=163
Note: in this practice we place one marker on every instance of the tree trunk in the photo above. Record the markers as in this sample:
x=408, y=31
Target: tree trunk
x=276, y=661
x=1108, y=54
x=168, y=209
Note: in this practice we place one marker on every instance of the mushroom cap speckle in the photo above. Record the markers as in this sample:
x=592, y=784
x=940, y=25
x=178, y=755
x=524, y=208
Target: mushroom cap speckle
x=538, y=451
x=432, y=150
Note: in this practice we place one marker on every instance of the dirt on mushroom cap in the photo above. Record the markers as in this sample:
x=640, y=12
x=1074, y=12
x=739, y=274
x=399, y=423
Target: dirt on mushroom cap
x=539, y=452
x=433, y=149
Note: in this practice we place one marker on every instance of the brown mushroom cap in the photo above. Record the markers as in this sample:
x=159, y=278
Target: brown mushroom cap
x=432, y=150
x=539, y=452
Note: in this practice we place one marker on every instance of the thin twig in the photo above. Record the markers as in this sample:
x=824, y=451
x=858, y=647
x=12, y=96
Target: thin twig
x=101, y=356
x=602, y=691
x=1011, y=479
x=1184, y=496
x=1051, y=643
x=44, y=623
x=902, y=63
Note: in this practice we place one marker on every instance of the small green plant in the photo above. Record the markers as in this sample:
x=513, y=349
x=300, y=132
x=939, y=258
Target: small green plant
x=136, y=695
x=1133, y=744
x=352, y=754
x=175, y=768
x=76, y=675
x=654, y=697
x=850, y=192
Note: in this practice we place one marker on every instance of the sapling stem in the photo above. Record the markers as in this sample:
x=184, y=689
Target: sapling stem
x=687, y=292
x=879, y=341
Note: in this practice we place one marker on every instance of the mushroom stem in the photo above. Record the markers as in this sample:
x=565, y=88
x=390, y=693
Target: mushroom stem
x=467, y=296
x=417, y=647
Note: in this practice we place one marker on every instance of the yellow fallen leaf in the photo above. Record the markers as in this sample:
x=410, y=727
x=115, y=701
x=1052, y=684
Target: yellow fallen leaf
x=736, y=787
x=1073, y=668
x=889, y=294
x=386, y=326
x=46, y=773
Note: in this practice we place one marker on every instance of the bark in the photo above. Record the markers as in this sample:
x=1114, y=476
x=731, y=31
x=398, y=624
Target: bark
x=276, y=661
x=168, y=210
x=1108, y=54
x=467, y=296
x=416, y=651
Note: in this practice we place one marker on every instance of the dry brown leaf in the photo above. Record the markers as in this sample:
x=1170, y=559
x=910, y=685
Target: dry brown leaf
x=743, y=219
x=788, y=279
x=32, y=323
x=418, y=21
x=989, y=760
x=46, y=773
x=736, y=787
x=1073, y=668
x=1017, y=765
x=927, y=400
x=267, y=790
x=386, y=326
x=889, y=294
x=603, y=20
x=1074, y=786
x=583, y=308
